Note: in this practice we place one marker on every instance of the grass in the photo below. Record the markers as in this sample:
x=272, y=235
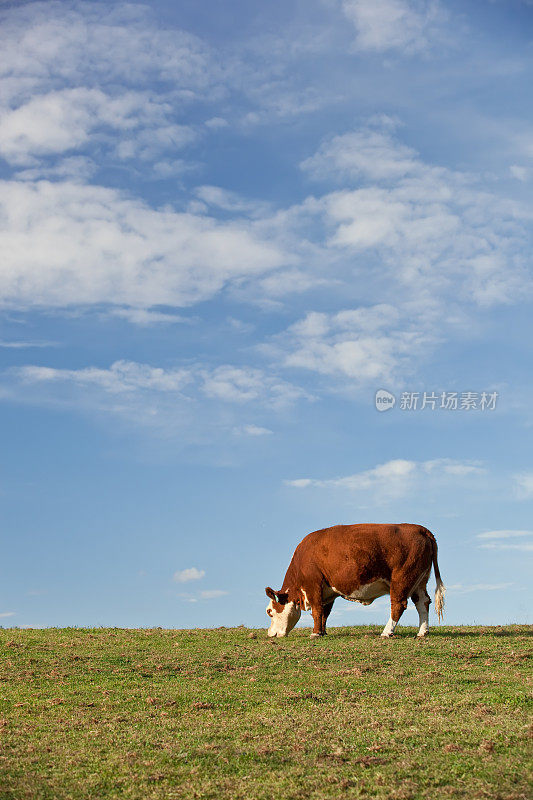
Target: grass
x=226, y=713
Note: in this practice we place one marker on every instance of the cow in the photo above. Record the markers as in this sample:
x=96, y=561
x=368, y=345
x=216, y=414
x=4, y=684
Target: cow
x=359, y=563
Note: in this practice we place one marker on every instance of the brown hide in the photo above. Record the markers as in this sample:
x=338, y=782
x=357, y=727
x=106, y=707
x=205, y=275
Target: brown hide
x=351, y=556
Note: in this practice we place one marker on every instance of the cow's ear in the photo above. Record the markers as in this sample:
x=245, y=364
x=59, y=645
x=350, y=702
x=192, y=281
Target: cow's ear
x=283, y=598
x=270, y=593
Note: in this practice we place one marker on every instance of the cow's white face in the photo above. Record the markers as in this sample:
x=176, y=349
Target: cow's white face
x=284, y=618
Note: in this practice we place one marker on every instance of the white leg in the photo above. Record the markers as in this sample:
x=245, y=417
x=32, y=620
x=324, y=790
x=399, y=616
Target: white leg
x=388, y=630
x=422, y=606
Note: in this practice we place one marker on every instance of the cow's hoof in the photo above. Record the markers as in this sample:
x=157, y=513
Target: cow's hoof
x=316, y=635
x=422, y=635
x=387, y=636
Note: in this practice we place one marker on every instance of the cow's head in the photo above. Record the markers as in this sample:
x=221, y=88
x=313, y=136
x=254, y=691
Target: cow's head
x=284, y=613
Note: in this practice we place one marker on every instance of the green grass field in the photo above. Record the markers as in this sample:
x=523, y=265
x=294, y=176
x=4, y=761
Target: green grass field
x=226, y=713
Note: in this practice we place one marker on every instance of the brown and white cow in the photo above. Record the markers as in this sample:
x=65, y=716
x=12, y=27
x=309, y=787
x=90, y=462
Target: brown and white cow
x=359, y=563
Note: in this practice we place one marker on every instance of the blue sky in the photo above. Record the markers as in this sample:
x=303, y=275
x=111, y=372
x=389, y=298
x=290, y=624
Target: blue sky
x=223, y=228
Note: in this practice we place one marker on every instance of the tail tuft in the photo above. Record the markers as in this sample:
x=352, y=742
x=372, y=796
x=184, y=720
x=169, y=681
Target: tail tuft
x=439, y=599
x=440, y=591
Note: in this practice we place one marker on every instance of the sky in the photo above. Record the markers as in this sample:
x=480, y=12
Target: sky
x=225, y=227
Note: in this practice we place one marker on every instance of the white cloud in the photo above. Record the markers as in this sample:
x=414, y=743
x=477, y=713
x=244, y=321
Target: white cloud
x=50, y=42
x=367, y=153
x=460, y=588
x=419, y=236
x=394, y=478
x=238, y=385
x=448, y=466
x=525, y=547
x=408, y=26
x=48, y=46
x=172, y=168
x=145, y=317
x=69, y=244
x=422, y=232
x=20, y=345
x=185, y=404
x=216, y=122
x=520, y=173
x=372, y=343
x=229, y=201
x=7, y=614
x=74, y=168
x=281, y=283
x=227, y=383
x=206, y=594
x=189, y=574
x=253, y=430
x=44, y=125
x=122, y=376
x=503, y=534
x=64, y=120
x=87, y=77
x=302, y=483
x=524, y=485
x=431, y=232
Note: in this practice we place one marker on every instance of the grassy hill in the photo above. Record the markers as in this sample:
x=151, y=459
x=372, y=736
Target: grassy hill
x=226, y=713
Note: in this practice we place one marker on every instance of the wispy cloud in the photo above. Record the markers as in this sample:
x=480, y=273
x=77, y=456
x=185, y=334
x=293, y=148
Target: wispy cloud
x=394, y=478
x=21, y=345
x=252, y=430
x=7, y=614
x=415, y=215
x=504, y=534
x=122, y=376
x=524, y=485
x=226, y=200
x=428, y=241
x=75, y=168
x=503, y=540
x=371, y=153
x=235, y=384
x=189, y=574
x=205, y=594
x=194, y=403
x=525, y=547
x=521, y=173
x=459, y=588
x=50, y=45
x=406, y=26
x=147, y=317
x=212, y=594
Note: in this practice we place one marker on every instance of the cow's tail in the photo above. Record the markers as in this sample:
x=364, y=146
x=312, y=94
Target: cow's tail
x=440, y=591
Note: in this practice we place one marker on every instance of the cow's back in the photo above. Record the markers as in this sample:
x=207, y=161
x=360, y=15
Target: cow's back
x=346, y=556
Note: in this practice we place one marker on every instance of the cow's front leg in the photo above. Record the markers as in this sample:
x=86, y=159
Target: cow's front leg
x=318, y=613
x=319, y=619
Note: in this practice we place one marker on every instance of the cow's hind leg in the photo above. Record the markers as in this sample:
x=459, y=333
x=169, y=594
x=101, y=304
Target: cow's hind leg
x=421, y=600
x=398, y=604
